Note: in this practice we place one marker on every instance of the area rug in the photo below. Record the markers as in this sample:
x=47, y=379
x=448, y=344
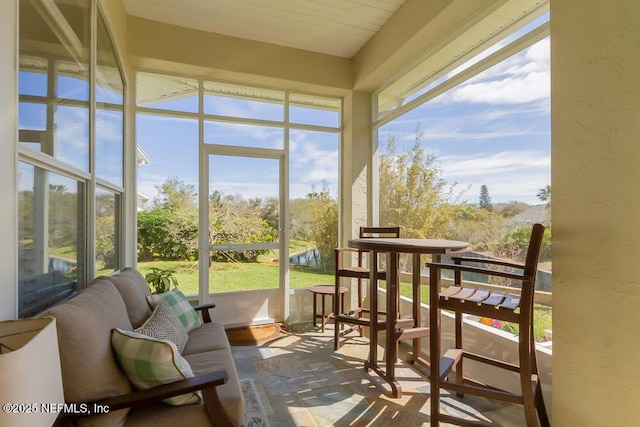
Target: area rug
x=254, y=415
x=255, y=335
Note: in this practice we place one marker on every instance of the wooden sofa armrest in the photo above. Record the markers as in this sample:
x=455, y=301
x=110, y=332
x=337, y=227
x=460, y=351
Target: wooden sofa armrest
x=148, y=396
x=204, y=308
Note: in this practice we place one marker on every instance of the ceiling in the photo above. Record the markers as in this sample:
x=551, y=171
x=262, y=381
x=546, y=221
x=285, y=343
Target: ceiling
x=335, y=27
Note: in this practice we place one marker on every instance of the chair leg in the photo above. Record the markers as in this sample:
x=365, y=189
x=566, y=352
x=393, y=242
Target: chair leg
x=360, y=302
x=336, y=323
x=540, y=407
x=526, y=346
x=458, y=339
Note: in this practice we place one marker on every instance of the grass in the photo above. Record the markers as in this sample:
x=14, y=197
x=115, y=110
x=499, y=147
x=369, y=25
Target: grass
x=541, y=313
x=229, y=277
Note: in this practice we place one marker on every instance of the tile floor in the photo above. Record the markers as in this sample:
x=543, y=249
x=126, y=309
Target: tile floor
x=303, y=382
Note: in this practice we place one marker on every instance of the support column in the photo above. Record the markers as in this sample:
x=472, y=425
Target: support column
x=356, y=157
x=595, y=122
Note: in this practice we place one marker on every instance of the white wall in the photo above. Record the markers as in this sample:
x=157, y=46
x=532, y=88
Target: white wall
x=595, y=131
x=8, y=173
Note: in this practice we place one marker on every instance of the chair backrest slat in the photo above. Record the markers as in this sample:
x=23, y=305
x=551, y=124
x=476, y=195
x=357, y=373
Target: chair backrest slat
x=374, y=232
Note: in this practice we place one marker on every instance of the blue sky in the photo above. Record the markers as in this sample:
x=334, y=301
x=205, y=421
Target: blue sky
x=492, y=130
x=172, y=146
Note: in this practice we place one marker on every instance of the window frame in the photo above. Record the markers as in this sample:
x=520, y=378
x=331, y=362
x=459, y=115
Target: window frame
x=89, y=179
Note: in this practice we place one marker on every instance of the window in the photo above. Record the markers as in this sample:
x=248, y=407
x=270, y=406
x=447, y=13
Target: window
x=249, y=148
x=50, y=238
x=109, y=110
x=54, y=112
x=477, y=150
x=57, y=150
x=107, y=241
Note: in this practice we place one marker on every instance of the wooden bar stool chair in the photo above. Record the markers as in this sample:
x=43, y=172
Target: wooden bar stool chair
x=508, y=307
x=358, y=316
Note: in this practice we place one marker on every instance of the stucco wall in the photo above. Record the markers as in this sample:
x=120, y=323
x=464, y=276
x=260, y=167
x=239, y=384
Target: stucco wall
x=595, y=122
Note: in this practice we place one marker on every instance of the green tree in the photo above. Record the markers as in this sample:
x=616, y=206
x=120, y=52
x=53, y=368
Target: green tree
x=174, y=195
x=153, y=234
x=544, y=195
x=170, y=228
x=509, y=209
x=233, y=219
x=324, y=227
x=485, y=199
x=477, y=226
x=105, y=231
x=514, y=244
x=301, y=219
x=412, y=192
x=180, y=200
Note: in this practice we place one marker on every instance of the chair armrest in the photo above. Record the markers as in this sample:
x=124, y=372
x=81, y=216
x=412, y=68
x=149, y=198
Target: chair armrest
x=204, y=308
x=492, y=261
x=339, y=250
x=148, y=396
x=479, y=270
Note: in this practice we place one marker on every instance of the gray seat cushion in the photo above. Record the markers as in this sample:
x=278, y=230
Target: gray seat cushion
x=208, y=337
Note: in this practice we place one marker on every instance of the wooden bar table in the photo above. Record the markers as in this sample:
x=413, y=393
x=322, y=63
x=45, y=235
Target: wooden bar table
x=397, y=328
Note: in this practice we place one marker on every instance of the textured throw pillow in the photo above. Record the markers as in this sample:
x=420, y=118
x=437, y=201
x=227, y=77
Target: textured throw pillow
x=177, y=302
x=149, y=362
x=163, y=324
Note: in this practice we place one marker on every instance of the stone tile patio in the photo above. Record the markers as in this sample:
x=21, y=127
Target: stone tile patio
x=303, y=382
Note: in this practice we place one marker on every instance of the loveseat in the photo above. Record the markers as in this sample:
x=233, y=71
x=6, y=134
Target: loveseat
x=92, y=373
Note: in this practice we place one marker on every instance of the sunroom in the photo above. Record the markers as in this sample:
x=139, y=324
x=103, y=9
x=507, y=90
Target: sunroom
x=116, y=111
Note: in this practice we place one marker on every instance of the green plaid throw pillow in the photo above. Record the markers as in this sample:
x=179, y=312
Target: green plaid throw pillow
x=178, y=303
x=149, y=362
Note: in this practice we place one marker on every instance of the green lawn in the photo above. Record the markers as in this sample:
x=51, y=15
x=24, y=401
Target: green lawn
x=226, y=277
x=541, y=314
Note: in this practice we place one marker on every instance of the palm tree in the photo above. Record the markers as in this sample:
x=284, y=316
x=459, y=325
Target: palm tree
x=544, y=194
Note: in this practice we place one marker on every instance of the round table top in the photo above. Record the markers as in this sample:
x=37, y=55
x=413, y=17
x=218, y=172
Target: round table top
x=327, y=289
x=403, y=245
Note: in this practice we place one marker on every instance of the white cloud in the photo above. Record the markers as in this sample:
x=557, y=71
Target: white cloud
x=249, y=190
x=533, y=86
x=522, y=78
x=243, y=135
x=312, y=163
x=509, y=175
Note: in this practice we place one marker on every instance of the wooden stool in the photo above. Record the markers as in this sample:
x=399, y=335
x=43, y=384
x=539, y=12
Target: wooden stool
x=324, y=290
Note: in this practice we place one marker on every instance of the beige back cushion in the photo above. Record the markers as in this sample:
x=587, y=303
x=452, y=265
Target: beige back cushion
x=89, y=367
x=134, y=291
